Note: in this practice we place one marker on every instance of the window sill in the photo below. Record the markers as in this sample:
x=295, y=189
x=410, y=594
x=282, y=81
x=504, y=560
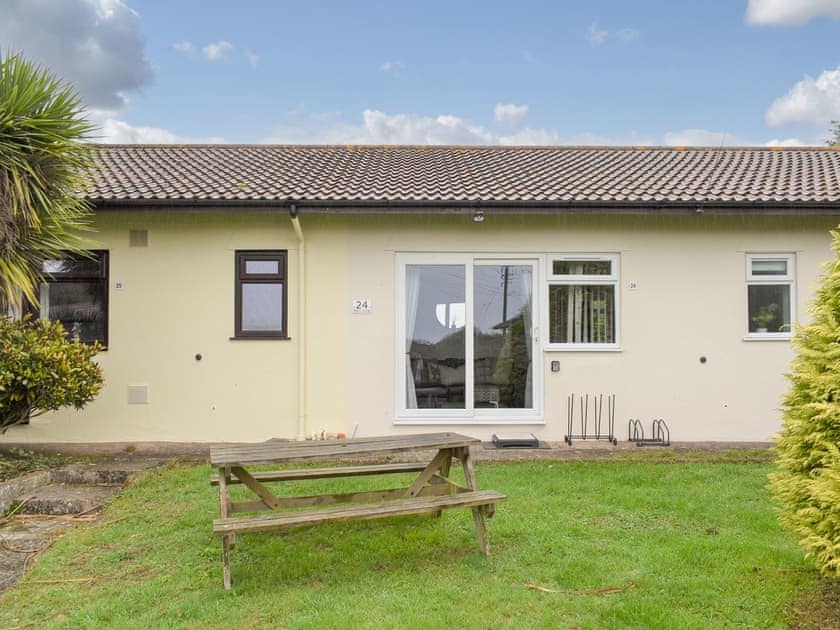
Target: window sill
x=768, y=337
x=260, y=337
x=467, y=421
x=582, y=348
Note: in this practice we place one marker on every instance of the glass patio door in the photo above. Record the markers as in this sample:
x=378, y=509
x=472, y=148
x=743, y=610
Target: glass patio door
x=468, y=337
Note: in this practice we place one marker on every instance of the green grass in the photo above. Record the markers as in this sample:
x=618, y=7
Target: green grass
x=695, y=545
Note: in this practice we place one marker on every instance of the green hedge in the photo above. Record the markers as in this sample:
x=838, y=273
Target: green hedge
x=807, y=485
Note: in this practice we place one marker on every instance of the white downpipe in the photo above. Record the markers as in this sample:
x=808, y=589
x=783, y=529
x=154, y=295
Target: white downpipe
x=301, y=332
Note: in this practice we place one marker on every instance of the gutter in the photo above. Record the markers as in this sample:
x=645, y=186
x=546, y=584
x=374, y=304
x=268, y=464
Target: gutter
x=649, y=207
x=301, y=332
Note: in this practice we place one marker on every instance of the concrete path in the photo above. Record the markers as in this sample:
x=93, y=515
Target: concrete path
x=42, y=506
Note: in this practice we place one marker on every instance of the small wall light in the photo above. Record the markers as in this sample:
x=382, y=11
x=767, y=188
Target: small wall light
x=478, y=216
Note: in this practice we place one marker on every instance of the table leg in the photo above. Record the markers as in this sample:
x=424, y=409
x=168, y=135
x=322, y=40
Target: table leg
x=444, y=472
x=477, y=512
x=224, y=511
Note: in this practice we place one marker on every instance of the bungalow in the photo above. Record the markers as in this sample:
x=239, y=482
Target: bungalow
x=253, y=292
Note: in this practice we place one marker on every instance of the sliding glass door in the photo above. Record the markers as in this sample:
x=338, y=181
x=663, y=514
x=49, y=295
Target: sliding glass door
x=467, y=336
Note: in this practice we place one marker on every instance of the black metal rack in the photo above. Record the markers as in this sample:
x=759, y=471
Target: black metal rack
x=659, y=430
x=598, y=416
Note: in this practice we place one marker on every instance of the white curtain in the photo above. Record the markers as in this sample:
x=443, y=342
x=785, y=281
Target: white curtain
x=527, y=286
x=412, y=299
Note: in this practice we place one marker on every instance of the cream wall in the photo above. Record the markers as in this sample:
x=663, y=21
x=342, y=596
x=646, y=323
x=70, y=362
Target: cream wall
x=690, y=302
x=177, y=300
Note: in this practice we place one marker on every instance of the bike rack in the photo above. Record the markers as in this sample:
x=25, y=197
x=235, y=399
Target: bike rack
x=659, y=430
x=598, y=415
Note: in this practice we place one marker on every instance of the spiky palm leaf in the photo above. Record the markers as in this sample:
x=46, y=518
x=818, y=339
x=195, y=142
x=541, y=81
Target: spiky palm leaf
x=43, y=171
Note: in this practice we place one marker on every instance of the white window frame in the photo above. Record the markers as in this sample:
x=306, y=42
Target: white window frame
x=789, y=279
x=468, y=415
x=553, y=279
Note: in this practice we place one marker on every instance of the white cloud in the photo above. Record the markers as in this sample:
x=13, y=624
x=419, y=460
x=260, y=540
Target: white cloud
x=183, y=47
x=789, y=12
x=811, y=100
x=627, y=35
x=510, y=114
x=217, y=50
x=114, y=131
x=252, y=57
x=378, y=127
x=702, y=138
x=790, y=142
x=394, y=68
x=529, y=57
x=595, y=36
x=96, y=45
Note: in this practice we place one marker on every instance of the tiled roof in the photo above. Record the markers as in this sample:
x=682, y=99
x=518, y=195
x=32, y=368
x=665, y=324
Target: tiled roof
x=442, y=175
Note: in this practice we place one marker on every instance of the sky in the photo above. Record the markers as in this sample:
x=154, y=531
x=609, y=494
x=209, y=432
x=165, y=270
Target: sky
x=647, y=72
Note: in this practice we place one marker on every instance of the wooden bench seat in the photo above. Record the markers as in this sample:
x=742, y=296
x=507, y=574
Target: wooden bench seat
x=326, y=473
x=397, y=507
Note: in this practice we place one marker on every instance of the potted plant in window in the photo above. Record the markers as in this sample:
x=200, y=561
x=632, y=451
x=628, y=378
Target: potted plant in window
x=765, y=316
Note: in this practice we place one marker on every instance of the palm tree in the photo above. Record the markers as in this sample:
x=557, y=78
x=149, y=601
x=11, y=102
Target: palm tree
x=44, y=167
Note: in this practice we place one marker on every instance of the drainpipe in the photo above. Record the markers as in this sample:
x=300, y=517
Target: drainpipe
x=301, y=430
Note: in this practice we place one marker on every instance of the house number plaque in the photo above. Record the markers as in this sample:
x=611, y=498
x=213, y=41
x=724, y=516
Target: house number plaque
x=362, y=305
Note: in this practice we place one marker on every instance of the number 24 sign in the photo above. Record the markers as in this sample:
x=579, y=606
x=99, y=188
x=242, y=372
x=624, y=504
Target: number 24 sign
x=362, y=305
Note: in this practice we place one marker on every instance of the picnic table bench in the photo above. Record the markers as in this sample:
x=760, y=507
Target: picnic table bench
x=431, y=491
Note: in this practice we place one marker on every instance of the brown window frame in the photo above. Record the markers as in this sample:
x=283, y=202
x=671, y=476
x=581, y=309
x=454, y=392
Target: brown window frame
x=103, y=275
x=241, y=277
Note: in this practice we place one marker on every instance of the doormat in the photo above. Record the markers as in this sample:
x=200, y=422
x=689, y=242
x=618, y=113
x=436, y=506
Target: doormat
x=515, y=441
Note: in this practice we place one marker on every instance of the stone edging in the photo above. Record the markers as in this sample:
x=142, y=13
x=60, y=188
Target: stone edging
x=18, y=487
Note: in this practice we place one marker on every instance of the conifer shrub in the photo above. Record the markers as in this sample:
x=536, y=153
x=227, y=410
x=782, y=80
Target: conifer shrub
x=42, y=370
x=806, y=486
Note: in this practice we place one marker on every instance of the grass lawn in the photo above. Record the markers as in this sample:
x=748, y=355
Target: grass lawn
x=684, y=545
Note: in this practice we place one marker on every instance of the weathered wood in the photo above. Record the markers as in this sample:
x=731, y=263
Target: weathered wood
x=424, y=477
x=226, y=561
x=477, y=512
x=328, y=473
x=330, y=499
x=454, y=486
x=443, y=477
x=399, y=507
x=255, y=486
x=271, y=452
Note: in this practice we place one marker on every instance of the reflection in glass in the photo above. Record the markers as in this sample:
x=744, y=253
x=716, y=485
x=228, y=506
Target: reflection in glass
x=262, y=266
x=502, y=337
x=435, y=342
x=79, y=306
x=769, y=308
x=262, y=307
x=582, y=267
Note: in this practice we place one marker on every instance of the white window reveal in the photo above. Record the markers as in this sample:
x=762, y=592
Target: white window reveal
x=583, y=302
x=467, y=339
x=770, y=296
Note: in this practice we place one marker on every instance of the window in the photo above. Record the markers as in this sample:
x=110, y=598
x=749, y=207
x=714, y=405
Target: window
x=75, y=293
x=770, y=299
x=467, y=338
x=260, y=300
x=583, y=302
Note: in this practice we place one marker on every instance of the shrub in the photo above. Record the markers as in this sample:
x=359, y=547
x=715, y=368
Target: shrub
x=807, y=485
x=41, y=370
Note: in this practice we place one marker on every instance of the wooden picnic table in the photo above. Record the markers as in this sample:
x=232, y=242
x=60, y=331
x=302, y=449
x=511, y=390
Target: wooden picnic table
x=431, y=491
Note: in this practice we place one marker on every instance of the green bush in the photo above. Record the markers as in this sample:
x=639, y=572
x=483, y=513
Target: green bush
x=41, y=370
x=807, y=485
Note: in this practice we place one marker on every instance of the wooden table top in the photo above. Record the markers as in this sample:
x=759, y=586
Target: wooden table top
x=278, y=452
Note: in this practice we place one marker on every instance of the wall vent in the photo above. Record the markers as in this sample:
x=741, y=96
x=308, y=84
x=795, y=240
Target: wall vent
x=138, y=238
x=138, y=394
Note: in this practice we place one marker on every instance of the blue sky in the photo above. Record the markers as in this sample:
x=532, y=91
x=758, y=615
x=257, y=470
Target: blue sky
x=597, y=72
